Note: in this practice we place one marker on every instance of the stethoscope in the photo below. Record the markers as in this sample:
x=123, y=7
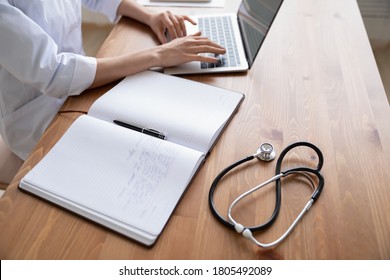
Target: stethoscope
x=266, y=152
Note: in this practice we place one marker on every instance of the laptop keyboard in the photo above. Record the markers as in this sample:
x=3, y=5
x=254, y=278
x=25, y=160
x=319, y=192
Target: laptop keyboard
x=219, y=29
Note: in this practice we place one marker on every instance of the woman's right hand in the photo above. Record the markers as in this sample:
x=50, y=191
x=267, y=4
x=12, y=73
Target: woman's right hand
x=186, y=49
x=176, y=52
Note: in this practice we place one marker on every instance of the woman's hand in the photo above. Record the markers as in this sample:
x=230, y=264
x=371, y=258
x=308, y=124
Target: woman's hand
x=186, y=49
x=159, y=22
x=164, y=22
x=180, y=50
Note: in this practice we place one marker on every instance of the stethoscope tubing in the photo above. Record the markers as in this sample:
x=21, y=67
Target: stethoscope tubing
x=225, y=222
x=247, y=232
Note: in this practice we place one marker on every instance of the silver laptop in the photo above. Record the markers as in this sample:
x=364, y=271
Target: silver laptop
x=241, y=34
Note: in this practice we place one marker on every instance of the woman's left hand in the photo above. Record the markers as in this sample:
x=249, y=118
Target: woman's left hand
x=164, y=22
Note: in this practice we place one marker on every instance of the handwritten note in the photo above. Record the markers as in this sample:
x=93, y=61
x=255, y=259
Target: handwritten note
x=148, y=168
x=118, y=173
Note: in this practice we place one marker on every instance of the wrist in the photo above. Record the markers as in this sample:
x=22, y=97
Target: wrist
x=113, y=68
x=155, y=57
x=143, y=60
x=148, y=17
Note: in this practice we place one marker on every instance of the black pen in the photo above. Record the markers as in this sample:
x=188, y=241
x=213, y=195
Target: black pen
x=148, y=131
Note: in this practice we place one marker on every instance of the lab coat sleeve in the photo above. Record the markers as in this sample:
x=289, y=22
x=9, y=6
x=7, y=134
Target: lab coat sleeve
x=107, y=7
x=31, y=56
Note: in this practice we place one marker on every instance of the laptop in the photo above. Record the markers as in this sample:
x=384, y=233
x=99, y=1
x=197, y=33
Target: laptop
x=241, y=34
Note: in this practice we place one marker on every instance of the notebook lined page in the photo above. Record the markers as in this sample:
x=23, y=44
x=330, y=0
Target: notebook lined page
x=189, y=113
x=118, y=173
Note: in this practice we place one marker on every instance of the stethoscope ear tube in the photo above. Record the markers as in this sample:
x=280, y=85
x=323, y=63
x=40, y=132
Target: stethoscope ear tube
x=300, y=144
x=247, y=232
x=316, y=171
x=214, y=186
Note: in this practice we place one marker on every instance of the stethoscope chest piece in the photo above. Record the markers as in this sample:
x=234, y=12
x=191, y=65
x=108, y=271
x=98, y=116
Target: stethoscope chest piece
x=266, y=152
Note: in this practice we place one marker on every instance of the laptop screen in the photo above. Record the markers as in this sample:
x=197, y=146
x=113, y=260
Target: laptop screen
x=255, y=18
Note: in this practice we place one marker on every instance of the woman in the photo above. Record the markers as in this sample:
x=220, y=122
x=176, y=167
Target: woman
x=42, y=60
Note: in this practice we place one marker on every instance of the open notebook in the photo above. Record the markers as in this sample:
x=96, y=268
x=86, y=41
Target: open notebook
x=125, y=179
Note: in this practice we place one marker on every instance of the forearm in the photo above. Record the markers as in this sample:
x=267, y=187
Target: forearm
x=132, y=9
x=114, y=68
x=174, y=53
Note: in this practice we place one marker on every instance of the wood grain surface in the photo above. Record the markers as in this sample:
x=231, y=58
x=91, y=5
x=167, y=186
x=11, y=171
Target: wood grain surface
x=315, y=79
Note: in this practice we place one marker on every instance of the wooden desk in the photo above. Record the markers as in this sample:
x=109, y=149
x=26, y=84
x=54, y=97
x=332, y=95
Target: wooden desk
x=315, y=79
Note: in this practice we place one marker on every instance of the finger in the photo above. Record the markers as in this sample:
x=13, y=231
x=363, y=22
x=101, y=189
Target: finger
x=197, y=34
x=206, y=41
x=203, y=58
x=183, y=26
x=204, y=48
x=187, y=18
x=170, y=26
x=209, y=49
x=162, y=36
x=176, y=25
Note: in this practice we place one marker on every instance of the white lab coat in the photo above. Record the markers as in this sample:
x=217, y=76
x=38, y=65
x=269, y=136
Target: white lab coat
x=41, y=63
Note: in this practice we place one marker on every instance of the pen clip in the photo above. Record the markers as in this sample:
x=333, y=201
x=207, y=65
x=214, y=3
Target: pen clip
x=154, y=132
